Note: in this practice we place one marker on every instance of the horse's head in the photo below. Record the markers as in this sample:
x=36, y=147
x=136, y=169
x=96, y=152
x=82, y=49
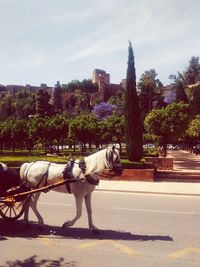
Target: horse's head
x=113, y=159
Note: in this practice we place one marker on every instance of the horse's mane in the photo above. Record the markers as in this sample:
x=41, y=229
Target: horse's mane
x=96, y=162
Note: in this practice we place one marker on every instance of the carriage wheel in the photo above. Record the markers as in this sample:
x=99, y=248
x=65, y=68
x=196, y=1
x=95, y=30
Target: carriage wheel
x=11, y=210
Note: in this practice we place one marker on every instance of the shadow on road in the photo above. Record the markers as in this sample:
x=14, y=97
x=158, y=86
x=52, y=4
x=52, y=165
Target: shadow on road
x=34, y=261
x=19, y=229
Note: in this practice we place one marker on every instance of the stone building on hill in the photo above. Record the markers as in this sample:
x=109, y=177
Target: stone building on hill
x=105, y=88
x=13, y=88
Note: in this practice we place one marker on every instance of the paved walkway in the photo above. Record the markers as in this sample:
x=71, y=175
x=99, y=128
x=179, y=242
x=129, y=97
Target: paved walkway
x=183, y=161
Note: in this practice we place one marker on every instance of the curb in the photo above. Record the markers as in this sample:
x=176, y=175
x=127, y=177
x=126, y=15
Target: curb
x=149, y=192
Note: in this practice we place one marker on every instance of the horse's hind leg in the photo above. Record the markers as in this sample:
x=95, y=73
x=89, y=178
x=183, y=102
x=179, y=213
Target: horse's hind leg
x=88, y=205
x=33, y=205
x=79, y=202
x=26, y=210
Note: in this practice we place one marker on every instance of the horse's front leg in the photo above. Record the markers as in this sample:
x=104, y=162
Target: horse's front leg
x=79, y=202
x=88, y=205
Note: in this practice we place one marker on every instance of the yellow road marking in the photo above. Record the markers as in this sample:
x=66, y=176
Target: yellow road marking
x=89, y=245
x=46, y=241
x=125, y=249
x=180, y=253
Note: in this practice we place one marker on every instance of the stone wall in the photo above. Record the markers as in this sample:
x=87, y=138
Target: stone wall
x=132, y=175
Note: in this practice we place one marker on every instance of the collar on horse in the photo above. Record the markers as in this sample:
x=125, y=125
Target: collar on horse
x=91, y=180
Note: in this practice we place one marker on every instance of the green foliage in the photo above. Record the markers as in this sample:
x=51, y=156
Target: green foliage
x=133, y=123
x=150, y=94
x=168, y=123
x=112, y=129
x=57, y=98
x=82, y=102
x=43, y=108
x=20, y=104
x=118, y=101
x=84, y=128
x=194, y=128
x=195, y=100
x=86, y=86
x=192, y=73
x=180, y=92
x=127, y=164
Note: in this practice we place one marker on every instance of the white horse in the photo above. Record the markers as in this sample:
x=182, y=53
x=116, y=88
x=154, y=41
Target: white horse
x=41, y=173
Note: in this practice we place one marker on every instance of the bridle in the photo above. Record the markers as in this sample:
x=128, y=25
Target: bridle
x=115, y=164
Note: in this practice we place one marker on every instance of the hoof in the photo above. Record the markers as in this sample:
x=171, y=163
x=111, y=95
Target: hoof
x=65, y=225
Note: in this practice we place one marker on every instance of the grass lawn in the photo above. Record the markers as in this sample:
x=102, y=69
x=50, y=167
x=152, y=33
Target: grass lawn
x=21, y=156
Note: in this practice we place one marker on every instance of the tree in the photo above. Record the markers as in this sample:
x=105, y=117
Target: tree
x=117, y=100
x=72, y=86
x=150, y=95
x=180, y=92
x=115, y=127
x=195, y=100
x=84, y=129
x=169, y=124
x=57, y=98
x=194, y=129
x=43, y=108
x=14, y=132
x=103, y=110
x=58, y=126
x=192, y=73
x=82, y=102
x=133, y=123
x=88, y=87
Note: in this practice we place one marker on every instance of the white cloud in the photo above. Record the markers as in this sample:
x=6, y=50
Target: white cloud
x=64, y=39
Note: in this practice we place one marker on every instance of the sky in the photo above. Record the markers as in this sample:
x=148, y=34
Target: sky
x=45, y=41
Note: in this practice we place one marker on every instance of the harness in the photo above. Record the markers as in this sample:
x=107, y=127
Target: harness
x=67, y=174
x=25, y=186
x=44, y=176
x=89, y=178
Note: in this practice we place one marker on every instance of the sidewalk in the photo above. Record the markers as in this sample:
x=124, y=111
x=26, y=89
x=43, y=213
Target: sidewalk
x=170, y=188
x=183, y=161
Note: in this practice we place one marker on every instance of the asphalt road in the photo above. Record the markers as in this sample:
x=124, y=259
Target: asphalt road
x=136, y=230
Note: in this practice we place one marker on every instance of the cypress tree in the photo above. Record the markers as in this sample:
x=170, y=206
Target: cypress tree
x=133, y=122
x=43, y=108
x=57, y=98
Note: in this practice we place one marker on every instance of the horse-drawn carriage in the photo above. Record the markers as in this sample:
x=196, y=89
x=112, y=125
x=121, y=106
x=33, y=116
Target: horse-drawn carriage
x=78, y=177
x=15, y=194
